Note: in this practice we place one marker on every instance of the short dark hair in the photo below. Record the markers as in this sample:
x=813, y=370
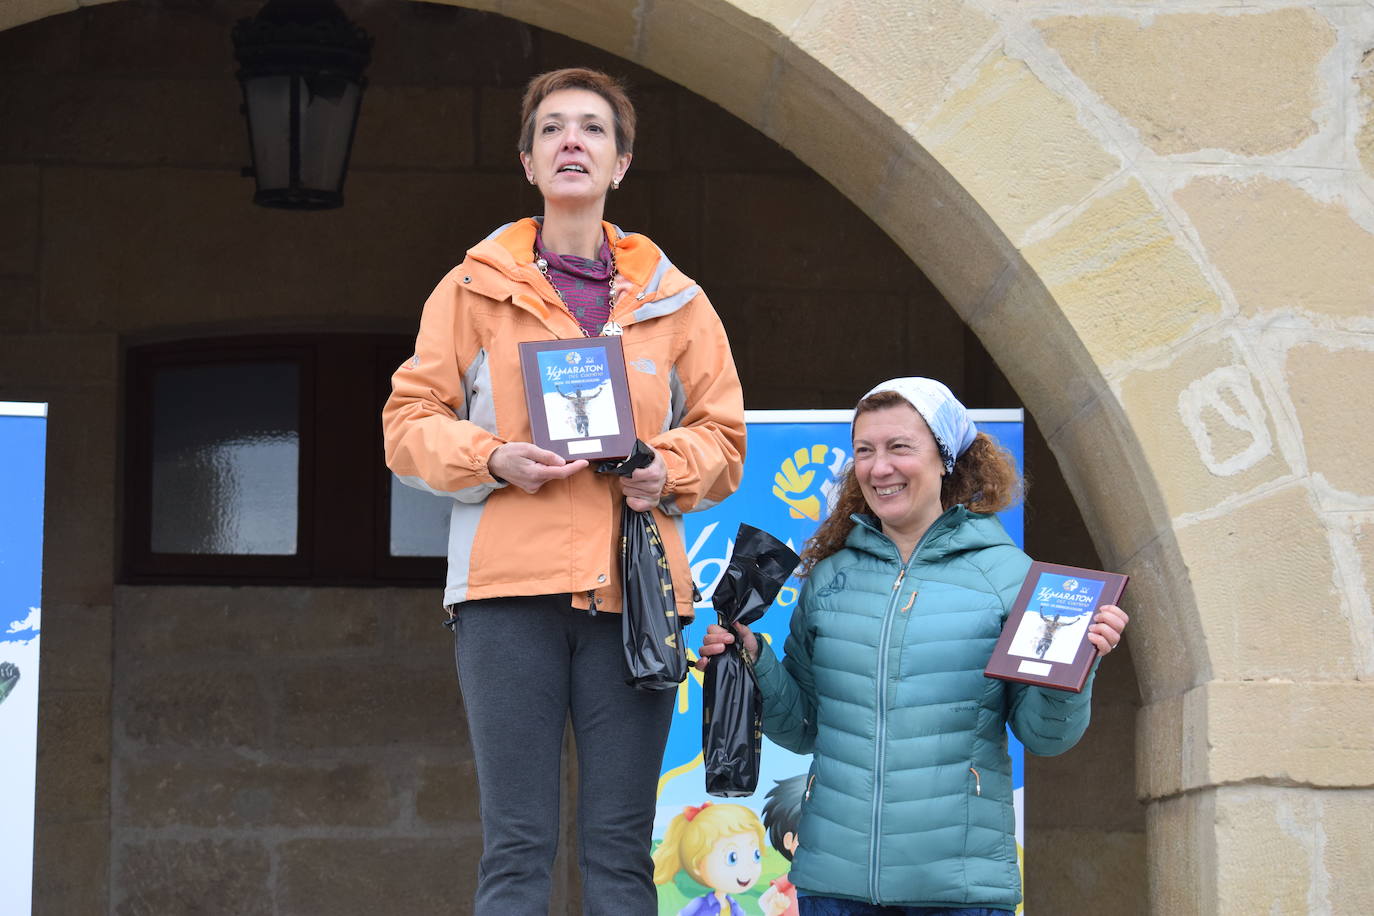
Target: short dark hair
x=782, y=811
x=608, y=87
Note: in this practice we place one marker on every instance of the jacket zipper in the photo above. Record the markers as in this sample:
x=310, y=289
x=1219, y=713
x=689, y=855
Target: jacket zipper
x=880, y=738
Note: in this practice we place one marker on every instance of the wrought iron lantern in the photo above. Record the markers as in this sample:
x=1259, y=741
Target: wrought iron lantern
x=301, y=66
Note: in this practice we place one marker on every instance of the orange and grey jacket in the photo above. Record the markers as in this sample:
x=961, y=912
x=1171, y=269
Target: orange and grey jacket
x=461, y=396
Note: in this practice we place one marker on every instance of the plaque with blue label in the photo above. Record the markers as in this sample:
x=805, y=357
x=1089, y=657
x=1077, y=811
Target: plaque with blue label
x=578, y=397
x=1045, y=639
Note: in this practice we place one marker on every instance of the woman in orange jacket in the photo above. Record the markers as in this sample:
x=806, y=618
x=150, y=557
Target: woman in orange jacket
x=533, y=538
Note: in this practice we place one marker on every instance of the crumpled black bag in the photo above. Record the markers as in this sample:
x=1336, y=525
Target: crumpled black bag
x=732, y=710
x=649, y=624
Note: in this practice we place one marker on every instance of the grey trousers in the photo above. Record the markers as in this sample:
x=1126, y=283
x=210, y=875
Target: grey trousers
x=524, y=665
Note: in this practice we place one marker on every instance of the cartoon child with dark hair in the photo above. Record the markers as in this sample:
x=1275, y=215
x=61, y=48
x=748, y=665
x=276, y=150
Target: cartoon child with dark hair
x=781, y=814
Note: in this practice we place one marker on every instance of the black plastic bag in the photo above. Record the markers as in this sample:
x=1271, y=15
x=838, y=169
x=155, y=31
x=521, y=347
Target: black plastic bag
x=732, y=711
x=649, y=623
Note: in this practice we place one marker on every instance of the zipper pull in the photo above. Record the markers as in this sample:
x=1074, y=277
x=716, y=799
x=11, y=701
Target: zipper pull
x=809, y=783
x=910, y=601
x=900, y=576
x=977, y=782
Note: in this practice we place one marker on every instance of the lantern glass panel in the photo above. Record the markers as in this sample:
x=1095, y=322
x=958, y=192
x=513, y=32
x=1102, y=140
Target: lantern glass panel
x=269, y=113
x=328, y=109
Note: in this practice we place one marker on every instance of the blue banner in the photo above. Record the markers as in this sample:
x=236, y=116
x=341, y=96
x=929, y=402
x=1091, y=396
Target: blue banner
x=23, y=428
x=795, y=460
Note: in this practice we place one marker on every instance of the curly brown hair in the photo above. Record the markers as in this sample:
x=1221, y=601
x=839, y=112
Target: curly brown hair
x=984, y=479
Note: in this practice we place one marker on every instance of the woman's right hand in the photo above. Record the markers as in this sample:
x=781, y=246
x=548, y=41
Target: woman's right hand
x=717, y=638
x=529, y=467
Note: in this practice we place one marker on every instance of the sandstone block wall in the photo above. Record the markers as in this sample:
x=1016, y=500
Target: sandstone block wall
x=302, y=750
x=1155, y=216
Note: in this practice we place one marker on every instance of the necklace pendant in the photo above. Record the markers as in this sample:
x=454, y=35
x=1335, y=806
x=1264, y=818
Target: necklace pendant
x=543, y=266
x=611, y=329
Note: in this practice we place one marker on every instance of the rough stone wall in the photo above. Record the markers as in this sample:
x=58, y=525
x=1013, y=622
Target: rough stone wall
x=1241, y=376
x=1157, y=218
x=288, y=751
x=302, y=750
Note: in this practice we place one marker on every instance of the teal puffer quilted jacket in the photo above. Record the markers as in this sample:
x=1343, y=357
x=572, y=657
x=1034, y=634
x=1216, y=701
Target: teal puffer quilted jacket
x=910, y=797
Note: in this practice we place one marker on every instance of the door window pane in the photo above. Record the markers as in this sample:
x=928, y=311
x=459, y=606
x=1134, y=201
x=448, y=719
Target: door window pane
x=226, y=458
x=419, y=522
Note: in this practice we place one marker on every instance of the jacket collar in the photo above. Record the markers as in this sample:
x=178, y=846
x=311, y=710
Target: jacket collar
x=955, y=531
x=654, y=283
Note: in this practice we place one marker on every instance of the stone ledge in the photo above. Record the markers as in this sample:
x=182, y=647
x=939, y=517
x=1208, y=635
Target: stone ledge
x=1264, y=733
x=1262, y=849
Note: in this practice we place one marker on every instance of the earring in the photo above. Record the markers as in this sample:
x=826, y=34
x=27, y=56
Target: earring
x=615, y=185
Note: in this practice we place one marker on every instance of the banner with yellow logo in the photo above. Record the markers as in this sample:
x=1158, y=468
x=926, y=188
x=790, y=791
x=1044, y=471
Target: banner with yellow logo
x=794, y=462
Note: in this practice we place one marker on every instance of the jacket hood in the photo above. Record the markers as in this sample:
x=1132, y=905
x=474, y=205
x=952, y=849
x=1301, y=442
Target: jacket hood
x=956, y=531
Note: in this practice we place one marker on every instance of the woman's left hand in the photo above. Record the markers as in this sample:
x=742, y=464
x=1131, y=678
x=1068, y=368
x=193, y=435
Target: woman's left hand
x=1108, y=624
x=644, y=488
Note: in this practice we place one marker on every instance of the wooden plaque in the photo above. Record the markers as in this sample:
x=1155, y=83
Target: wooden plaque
x=579, y=397
x=1045, y=639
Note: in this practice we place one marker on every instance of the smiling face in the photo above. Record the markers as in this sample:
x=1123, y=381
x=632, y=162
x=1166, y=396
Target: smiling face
x=573, y=155
x=898, y=467
x=732, y=865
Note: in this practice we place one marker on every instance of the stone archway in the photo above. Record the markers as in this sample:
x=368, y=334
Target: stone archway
x=1116, y=252
x=1019, y=161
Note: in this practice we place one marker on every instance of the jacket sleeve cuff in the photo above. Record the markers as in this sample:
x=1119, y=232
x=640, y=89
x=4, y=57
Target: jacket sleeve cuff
x=767, y=662
x=481, y=466
x=673, y=468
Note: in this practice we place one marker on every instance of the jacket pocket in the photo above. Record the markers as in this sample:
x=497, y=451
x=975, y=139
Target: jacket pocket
x=808, y=789
x=810, y=781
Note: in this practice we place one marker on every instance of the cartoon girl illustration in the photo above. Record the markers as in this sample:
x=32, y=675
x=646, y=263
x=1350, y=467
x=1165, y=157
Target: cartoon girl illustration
x=719, y=846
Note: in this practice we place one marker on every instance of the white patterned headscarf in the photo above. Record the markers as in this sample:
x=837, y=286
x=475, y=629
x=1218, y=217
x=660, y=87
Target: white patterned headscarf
x=948, y=419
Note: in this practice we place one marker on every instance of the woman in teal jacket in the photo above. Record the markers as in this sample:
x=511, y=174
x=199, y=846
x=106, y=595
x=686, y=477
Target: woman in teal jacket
x=908, y=808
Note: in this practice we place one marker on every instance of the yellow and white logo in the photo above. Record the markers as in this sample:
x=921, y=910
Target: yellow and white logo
x=805, y=480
